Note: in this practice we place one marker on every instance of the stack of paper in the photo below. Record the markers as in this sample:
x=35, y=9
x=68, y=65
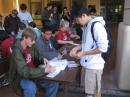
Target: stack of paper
x=59, y=65
x=72, y=64
x=52, y=75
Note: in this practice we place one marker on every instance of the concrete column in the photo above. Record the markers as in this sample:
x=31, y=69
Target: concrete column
x=68, y=4
x=123, y=51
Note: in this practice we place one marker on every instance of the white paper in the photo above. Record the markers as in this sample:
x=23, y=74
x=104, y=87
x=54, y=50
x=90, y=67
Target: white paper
x=76, y=44
x=59, y=65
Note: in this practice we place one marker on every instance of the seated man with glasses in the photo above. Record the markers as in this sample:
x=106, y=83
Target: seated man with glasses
x=45, y=46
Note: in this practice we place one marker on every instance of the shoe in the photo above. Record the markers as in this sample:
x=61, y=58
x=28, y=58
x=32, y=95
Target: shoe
x=5, y=82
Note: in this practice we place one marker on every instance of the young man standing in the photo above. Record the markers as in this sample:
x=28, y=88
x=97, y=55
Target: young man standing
x=90, y=52
x=24, y=15
x=24, y=67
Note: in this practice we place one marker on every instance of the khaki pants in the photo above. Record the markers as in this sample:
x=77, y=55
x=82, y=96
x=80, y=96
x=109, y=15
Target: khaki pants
x=91, y=79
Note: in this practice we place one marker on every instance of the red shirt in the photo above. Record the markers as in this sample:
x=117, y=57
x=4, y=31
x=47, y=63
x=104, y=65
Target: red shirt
x=28, y=56
x=61, y=35
x=5, y=46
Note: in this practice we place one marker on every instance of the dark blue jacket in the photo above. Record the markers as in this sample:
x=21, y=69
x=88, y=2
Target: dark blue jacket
x=46, y=48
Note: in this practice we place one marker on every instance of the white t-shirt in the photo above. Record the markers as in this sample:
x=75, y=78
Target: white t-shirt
x=25, y=17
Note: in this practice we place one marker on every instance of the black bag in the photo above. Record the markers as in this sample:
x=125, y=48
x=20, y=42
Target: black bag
x=105, y=55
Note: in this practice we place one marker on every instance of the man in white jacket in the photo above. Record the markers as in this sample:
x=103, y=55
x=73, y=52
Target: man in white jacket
x=89, y=52
x=24, y=15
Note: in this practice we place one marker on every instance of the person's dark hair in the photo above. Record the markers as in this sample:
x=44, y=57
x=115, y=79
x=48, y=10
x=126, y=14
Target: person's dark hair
x=0, y=20
x=32, y=24
x=82, y=10
x=92, y=10
x=49, y=4
x=22, y=26
x=64, y=7
x=0, y=24
x=15, y=12
x=23, y=6
x=28, y=32
x=45, y=29
x=1, y=16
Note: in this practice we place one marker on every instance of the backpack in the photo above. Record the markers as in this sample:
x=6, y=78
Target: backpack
x=105, y=55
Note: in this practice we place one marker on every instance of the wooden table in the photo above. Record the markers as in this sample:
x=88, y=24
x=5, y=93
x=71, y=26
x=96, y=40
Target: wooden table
x=66, y=77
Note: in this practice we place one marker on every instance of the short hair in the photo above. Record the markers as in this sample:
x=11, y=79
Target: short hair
x=45, y=29
x=0, y=24
x=14, y=11
x=28, y=32
x=63, y=23
x=1, y=16
x=23, y=6
x=32, y=24
x=64, y=7
x=22, y=26
x=92, y=10
x=49, y=4
x=81, y=10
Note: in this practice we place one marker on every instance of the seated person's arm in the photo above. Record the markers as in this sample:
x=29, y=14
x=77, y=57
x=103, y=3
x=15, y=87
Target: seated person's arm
x=22, y=67
x=45, y=52
x=71, y=35
x=65, y=42
x=74, y=36
x=50, y=55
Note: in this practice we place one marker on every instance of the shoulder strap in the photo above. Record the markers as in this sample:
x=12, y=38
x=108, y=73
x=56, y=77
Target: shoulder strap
x=92, y=26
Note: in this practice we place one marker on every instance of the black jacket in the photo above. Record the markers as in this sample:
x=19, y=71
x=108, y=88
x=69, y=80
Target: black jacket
x=11, y=24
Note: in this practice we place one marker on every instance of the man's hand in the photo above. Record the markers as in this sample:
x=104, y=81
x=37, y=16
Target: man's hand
x=79, y=55
x=74, y=51
x=70, y=42
x=45, y=61
x=50, y=69
x=60, y=56
x=77, y=37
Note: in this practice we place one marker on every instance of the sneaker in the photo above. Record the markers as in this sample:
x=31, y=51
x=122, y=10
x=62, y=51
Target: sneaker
x=5, y=82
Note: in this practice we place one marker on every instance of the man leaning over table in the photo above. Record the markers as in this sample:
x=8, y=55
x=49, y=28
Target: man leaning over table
x=25, y=69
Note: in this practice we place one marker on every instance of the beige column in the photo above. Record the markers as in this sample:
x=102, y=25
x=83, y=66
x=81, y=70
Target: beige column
x=68, y=4
x=122, y=70
x=45, y=2
x=7, y=6
x=1, y=7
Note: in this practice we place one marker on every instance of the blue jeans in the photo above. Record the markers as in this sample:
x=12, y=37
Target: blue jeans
x=29, y=88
